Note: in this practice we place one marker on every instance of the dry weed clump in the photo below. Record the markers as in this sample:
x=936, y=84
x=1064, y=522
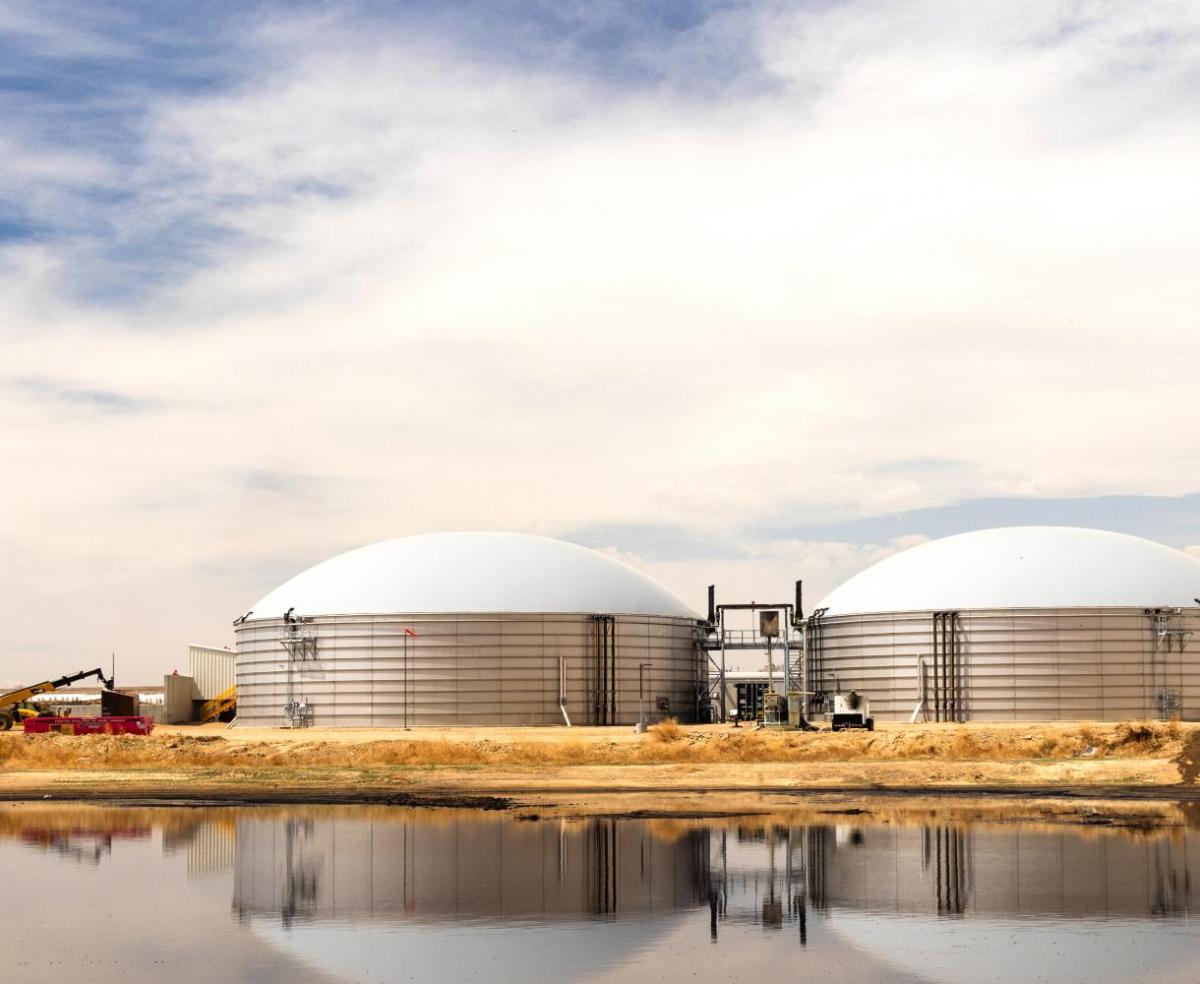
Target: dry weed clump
x=667, y=730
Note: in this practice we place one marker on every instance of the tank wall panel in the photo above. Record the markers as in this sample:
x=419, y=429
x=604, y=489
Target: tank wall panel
x=1041, y=664
x=494, y=670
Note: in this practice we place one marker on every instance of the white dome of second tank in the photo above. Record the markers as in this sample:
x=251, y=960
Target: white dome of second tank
x=1023, y=567
x=471, y=572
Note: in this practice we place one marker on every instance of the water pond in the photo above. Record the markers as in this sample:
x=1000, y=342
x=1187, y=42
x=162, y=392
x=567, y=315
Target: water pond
x=340, y=894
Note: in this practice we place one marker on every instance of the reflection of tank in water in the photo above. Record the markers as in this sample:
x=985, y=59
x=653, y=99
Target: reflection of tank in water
x=1010, y=871
x=465, y=866
x=774, y=876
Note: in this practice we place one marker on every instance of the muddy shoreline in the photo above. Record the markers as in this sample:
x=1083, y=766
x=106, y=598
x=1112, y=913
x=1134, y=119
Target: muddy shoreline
x=678, y=803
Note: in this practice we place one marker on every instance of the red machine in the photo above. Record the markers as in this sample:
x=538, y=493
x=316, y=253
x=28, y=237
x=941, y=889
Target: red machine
x=139, y=725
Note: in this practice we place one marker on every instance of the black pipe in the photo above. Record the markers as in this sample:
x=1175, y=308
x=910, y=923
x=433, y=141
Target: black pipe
x=958, y=715
x=598, y=702
x=799, y=601
x=960, y=686
x=947, y=670
x=712, y=604
x=612, y=645
x=604, y=660
x=611, y=637
x=604, y=657
x=934, y=649
x=954, y=664
x=937, y=692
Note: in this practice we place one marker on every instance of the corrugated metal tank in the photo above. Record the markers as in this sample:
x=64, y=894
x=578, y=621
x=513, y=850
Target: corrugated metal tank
x=1018, y=664
x=364, y=671
x=1048, y=654
x=468, y=629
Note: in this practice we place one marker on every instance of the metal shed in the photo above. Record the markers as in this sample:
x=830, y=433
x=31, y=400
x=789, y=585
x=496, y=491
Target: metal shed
x=213, y=668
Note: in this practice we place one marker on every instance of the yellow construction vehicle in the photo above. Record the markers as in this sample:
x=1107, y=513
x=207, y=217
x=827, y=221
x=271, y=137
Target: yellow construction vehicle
x=225, y=701
x=10, y=712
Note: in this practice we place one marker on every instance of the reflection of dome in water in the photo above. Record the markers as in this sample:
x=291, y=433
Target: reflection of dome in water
x=995, y=951
x=470, y=951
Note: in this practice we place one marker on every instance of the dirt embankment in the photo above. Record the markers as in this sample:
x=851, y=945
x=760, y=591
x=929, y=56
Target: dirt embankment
x=385, y=764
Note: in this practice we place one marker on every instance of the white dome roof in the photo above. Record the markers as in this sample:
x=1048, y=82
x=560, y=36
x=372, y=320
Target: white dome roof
x=471, y=573
x=1023, y=567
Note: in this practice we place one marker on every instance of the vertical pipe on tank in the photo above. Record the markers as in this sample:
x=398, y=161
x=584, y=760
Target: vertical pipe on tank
x=721, y=637
x=947, y=667
x=606, y=695
x=937, y=690
x=612, y=645
x=608, y=676
x=952, y=661
x=597, y=699
x=605, y=684
x=958, y=715
x=947, y=680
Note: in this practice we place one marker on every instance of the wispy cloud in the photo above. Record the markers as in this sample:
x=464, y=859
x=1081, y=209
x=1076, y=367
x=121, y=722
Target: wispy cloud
x=714, y=285
x=77, y=398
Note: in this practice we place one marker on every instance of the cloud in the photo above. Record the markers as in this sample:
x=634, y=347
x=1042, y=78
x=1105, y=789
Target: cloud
x=75, y=399
x=365, y=274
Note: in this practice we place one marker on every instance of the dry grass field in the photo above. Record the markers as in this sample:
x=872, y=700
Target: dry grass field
x=665, y=744
x=347, y=764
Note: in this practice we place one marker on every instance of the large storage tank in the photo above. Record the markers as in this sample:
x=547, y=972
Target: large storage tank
x=1022, y=623
x=468, y=629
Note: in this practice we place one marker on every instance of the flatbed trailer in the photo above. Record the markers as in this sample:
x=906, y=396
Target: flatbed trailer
x=135, y=725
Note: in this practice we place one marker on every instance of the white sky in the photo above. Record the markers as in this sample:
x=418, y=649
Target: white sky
x=925, y=254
